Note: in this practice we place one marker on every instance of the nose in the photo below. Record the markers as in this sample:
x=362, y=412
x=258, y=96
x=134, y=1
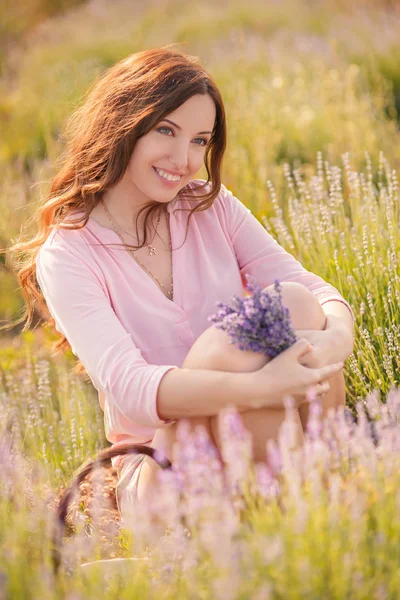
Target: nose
x=179, y=157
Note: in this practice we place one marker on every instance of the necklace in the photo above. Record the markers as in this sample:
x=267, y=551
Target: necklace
x=152, y=250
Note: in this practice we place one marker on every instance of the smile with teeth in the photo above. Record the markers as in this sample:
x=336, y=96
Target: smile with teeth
x=167, y=176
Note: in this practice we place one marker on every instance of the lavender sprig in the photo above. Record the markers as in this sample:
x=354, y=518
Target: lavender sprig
x=259, y=323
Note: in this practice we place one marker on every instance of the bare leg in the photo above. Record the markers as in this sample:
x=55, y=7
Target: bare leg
x=212, y=350
x=262, y=423
x=265, y=423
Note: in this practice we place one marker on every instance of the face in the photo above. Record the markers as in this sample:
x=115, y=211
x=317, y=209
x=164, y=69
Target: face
x=169, y=156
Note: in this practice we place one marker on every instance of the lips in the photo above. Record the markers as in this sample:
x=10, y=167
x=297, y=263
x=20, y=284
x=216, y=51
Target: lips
x=169, y=172
x=163, y=178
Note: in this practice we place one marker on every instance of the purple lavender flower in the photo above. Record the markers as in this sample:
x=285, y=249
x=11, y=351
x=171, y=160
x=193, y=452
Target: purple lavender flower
x=259, y=323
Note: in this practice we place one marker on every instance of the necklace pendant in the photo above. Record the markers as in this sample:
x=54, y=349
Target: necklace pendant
x=151, y=250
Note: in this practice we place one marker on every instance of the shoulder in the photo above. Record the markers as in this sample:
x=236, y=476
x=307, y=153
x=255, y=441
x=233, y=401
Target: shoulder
x=201, y=186
x=65, y=246
x=73, y=232
x=226, y=204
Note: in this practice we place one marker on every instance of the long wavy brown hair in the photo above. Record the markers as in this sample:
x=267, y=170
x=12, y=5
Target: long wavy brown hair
x=124, y=104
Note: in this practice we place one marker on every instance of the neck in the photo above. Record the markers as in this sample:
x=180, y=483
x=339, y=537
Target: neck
x=125, y=212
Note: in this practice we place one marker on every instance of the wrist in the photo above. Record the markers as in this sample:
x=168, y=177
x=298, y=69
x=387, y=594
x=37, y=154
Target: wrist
x=256, y=387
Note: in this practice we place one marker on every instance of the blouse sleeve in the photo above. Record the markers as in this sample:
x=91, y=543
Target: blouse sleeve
x=77, y=300
x=260, y=255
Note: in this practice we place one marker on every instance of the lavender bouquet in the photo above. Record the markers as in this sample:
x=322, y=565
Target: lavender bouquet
x=259, y=322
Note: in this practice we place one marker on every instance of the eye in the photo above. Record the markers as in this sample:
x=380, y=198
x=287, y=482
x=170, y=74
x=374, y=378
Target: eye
x=203, y=140
x=164, y=129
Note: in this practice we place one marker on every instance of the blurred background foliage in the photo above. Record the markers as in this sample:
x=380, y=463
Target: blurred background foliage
x=298, y=77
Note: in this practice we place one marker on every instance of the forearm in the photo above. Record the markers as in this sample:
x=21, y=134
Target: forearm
x=201, y=392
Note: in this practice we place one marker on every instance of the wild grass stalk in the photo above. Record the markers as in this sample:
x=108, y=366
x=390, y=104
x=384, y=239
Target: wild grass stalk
x=52, y=417
x=341, y=225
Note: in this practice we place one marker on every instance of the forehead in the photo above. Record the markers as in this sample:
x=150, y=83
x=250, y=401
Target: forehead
x=199, y=108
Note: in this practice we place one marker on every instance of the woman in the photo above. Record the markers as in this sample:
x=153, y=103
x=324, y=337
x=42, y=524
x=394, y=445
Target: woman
x=130, y=278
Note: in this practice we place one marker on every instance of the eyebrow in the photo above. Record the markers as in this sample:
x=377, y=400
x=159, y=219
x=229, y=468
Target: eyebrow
x=180, y=128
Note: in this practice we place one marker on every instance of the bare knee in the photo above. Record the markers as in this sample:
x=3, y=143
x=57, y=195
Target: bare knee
x=213, y=350
x=305, y=310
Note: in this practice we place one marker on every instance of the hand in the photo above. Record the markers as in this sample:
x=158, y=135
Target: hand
x=285, y=375
x=327, y=348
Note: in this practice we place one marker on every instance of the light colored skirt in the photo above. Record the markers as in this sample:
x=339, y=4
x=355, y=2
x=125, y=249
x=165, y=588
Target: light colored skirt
x=126, y=490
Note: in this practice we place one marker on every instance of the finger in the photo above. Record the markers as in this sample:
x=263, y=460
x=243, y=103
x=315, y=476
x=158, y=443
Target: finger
x=323, y=387
x=319, y=390
x=329, y=370
x=307, y=359
x=301, y=347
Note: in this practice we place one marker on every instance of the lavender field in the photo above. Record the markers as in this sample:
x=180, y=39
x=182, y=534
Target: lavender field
x=312, y=94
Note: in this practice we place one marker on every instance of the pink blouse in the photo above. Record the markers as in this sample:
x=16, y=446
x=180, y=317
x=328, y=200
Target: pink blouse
x=120, y=324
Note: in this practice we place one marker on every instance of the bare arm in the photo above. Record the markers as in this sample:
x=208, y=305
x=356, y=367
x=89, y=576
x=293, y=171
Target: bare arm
x=197, y=392
x=213, y=375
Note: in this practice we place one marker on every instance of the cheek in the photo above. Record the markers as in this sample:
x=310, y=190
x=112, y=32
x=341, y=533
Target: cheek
x=197, y=160
x=146, y=149
x=133, y=167
x=138, y=161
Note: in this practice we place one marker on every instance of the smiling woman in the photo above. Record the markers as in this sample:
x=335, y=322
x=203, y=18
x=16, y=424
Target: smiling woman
x=130, y=282
x=165, y=159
